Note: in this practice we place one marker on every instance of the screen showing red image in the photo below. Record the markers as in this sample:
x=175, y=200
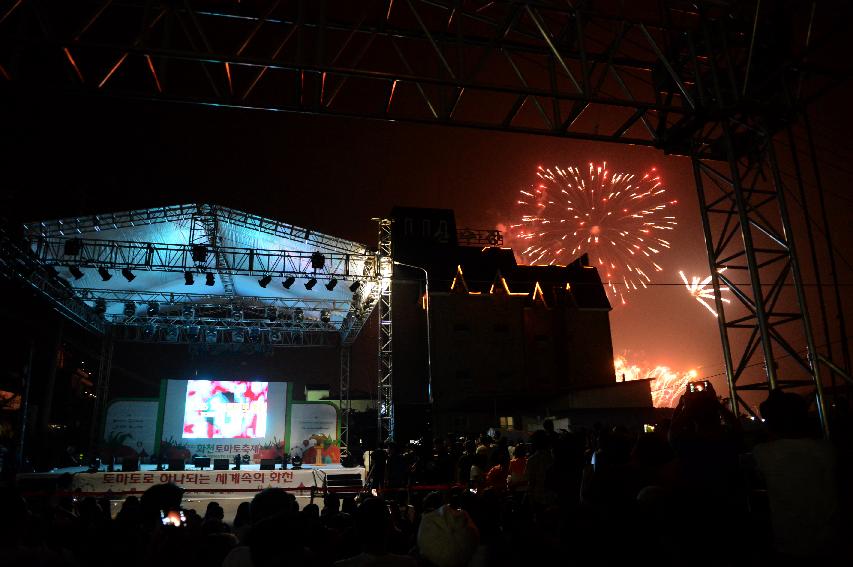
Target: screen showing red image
x=225, y=409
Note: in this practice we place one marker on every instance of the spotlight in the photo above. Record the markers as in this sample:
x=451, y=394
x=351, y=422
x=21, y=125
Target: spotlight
x=129, y=309
x=354, y=287
x=236, y=314
x=298, y=315
x=325, y=316
x=272, y=314
x=209, y=278
x=265, y=281
x=317, y=260
x=288, y=282
x=188, y=311
x=199, y=252
x=211, y=336
x=254, y=335
x=76, y=272
x=309, y=285
x=188, y=278
x=72, y=246
x=105, y=274
x=100, y=306
x=128, y=275
x=331, y=284
x=153, y=309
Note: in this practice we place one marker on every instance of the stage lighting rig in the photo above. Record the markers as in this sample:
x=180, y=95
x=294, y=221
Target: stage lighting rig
x=288, y=282
x=76, y=272
x=309, y=285
x=265, y=281
x=331, y=284
x=188, y=278
x=105, y=274
x=128, y=275
x=209, y=279
x=199, y=253
x=318, y=261
x=354, y=286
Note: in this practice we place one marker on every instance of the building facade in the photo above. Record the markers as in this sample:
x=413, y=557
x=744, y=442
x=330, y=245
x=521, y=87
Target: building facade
x=509, y=343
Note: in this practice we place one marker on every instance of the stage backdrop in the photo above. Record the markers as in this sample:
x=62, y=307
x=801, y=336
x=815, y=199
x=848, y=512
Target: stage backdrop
x=315, y=432
x=130, y=429
x=223, y=419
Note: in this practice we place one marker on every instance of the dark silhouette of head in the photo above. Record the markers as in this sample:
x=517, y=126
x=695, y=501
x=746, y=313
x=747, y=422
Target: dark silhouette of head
x=373, y=524
x=268, y=503
x=786, y=414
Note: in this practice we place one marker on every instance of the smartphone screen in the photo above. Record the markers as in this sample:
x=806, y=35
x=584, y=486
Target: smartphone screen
x=174, y=518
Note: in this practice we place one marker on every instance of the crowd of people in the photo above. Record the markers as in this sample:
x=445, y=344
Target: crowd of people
x=699, y=489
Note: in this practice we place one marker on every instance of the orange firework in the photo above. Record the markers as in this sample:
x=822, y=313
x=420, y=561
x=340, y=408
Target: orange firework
x=667, y=385
x=617, y=218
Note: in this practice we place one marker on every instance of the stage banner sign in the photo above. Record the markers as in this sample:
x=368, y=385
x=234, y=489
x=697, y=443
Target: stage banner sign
x=200, y=481
x=315, y=432
x=130, y=429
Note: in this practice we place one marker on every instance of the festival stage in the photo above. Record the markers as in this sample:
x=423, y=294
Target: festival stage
x=249, y=479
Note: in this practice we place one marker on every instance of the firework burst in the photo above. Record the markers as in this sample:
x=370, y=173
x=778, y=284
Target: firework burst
x=667, y=384
x=619, y=219
x=699, y=289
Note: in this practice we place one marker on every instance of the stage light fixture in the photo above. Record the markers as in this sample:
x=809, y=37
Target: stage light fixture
x=188, y=278
x=298, y=315
x=325, y=316
x=105, y=274
x=272, y=314
x=354, y=286
x=128, y=275
x=265, y=281
x=148, y=331
x=317, y=260
x=288, y=282
x=72, y=246
x=189, y=311
x=76, y=272
x=254, y=335
x=129, y=309
x=199, y=252
x=309, y=285
x=153, y=308
x=100, y=306
x=331, y=284
x=211, y=336
x=209, y=278
x=236, y=314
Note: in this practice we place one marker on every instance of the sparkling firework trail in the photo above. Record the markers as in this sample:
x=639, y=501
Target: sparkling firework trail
x=699, y=289
x=667, y=384
x=617, y=218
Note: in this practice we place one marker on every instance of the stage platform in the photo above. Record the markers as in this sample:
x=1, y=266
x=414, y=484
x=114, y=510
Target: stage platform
x=249, y=479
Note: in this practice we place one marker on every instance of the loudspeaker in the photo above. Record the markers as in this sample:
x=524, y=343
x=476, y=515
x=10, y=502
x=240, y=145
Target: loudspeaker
x=221, y=464
x=176, y=465
x=201, y=462
x=130, y=464
x=267, y=464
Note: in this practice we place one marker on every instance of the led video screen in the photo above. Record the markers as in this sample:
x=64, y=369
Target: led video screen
x=215, y=409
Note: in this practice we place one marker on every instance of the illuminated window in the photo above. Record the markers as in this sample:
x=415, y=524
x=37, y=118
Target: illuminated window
x=507, y=422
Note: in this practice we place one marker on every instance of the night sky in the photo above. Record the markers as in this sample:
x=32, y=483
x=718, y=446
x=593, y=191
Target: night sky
x=68, y=155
